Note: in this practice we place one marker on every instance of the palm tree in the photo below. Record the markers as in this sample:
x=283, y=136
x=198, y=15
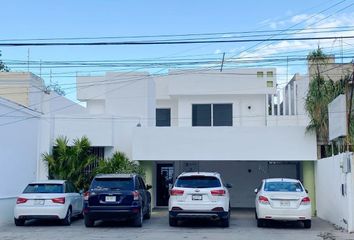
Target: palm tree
x=69, y=162
x=321, y=92
x=119, y=163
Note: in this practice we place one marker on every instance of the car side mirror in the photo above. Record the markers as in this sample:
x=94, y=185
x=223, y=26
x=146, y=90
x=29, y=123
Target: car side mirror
x=228, y=185
x=256, y=191
x=307, y=191
x=81, y=191
x=148, y=186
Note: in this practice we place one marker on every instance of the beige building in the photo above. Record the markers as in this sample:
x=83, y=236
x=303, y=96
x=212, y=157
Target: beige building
x=330, y=69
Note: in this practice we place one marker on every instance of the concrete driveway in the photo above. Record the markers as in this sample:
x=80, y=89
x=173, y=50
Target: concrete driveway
x=243, y=226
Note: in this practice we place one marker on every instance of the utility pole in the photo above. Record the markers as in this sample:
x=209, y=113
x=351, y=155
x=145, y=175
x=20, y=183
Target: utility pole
x=222, y=62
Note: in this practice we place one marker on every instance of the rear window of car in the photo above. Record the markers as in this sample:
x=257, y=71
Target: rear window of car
x=283, y=187
x=113, y=183
x=44, y=188
x=198, y=182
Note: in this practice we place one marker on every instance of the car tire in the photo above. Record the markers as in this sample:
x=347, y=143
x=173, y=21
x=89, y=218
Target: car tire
x=260, y=223
x=67, y=220
x=307, y=224
x=89, y=222
x=138, y=220
x=172, y=221
x=19, y=222
x=148, y=213
x=225, y=222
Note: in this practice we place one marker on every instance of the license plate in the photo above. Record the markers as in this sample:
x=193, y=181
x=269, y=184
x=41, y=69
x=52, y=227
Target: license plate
x=39, y=202
x=285, y=203
x=197, y=197
x=110, y=198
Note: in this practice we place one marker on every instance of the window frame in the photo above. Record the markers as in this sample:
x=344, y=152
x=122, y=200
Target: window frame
x=212, y=114
x=169, y=120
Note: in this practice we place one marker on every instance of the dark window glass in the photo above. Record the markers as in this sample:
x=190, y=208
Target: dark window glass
x=201, y=115
x=142, y=184
x=198, y=182
x=113, y=183
x=163, y=117
x=222, y=114
x=283, y=187
x=44, y=188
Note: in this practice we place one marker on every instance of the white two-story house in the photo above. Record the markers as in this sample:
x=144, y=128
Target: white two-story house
x=236, y=122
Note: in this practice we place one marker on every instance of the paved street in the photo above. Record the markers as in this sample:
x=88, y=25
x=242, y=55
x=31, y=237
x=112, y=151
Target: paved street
x=243, y=226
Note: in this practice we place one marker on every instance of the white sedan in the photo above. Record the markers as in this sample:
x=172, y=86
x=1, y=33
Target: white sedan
x=284, y=200
x=51, y=199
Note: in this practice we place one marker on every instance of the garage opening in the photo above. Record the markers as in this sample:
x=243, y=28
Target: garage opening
x=245, y=176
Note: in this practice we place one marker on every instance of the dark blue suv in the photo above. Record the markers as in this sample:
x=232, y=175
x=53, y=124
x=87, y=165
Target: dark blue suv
x=117, y=197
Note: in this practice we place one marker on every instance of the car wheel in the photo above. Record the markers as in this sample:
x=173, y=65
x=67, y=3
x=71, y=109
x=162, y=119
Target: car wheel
x=260, y=222
x=307, y=223
x=19, y=222
x=67, y=220
x=225, y=222
x=172, y=221
x=138, y=221
x=89, y=222
x=148, y=213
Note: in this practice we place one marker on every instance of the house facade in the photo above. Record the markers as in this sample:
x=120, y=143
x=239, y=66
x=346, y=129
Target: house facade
x=26, y=124
x=236, y=122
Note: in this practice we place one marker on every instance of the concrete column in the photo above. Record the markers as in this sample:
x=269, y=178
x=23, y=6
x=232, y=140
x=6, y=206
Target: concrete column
x=149, y=178
x=308, y=173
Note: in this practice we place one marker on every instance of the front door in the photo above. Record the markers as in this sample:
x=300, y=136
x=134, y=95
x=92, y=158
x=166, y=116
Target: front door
x=164, y=179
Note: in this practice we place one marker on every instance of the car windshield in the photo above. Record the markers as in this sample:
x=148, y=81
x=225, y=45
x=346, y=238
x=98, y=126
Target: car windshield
x=44, y=188
x=113, y=183
x=198, y=182
x=283, y=187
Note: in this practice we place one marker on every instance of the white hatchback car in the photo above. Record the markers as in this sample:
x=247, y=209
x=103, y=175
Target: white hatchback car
x=199, y=195
x=282, y=199
x=51, y=199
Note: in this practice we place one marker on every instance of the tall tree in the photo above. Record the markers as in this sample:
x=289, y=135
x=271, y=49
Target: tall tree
x=321, y=92
x=3, y=67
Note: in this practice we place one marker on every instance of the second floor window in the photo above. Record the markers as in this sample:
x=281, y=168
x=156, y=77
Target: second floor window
x=211, y=115
x=163, y=117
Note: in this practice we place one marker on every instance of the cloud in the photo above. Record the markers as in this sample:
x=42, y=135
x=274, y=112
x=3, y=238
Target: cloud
x=313, y=26
x=217, y=51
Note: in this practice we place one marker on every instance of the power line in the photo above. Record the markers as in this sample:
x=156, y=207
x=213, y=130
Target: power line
x=157, y=42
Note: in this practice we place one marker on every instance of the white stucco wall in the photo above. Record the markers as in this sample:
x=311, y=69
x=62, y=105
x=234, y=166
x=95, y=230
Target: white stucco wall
x=331, y=204
x=19, y=153
x=224, y=143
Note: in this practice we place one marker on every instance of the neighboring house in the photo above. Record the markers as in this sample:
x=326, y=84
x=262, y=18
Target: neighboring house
x=26, y=123
x=194, y=120
x=329, y=68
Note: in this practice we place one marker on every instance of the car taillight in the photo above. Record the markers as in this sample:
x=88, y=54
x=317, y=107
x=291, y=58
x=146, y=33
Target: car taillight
x=219, y=192
x=176, y=192
x=136, y=195
x=60, y=200
x=21, y=200
x=86, y=196
x=263, y=200
x=306, y=201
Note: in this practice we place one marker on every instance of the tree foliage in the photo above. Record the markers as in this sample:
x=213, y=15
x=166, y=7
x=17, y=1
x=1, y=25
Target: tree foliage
x=69, y=162
x=321, y=92
x=119, y=163
x=3, y=67
x=72, y=162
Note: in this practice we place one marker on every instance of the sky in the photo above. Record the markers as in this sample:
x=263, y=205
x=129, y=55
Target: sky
x=23, y=19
